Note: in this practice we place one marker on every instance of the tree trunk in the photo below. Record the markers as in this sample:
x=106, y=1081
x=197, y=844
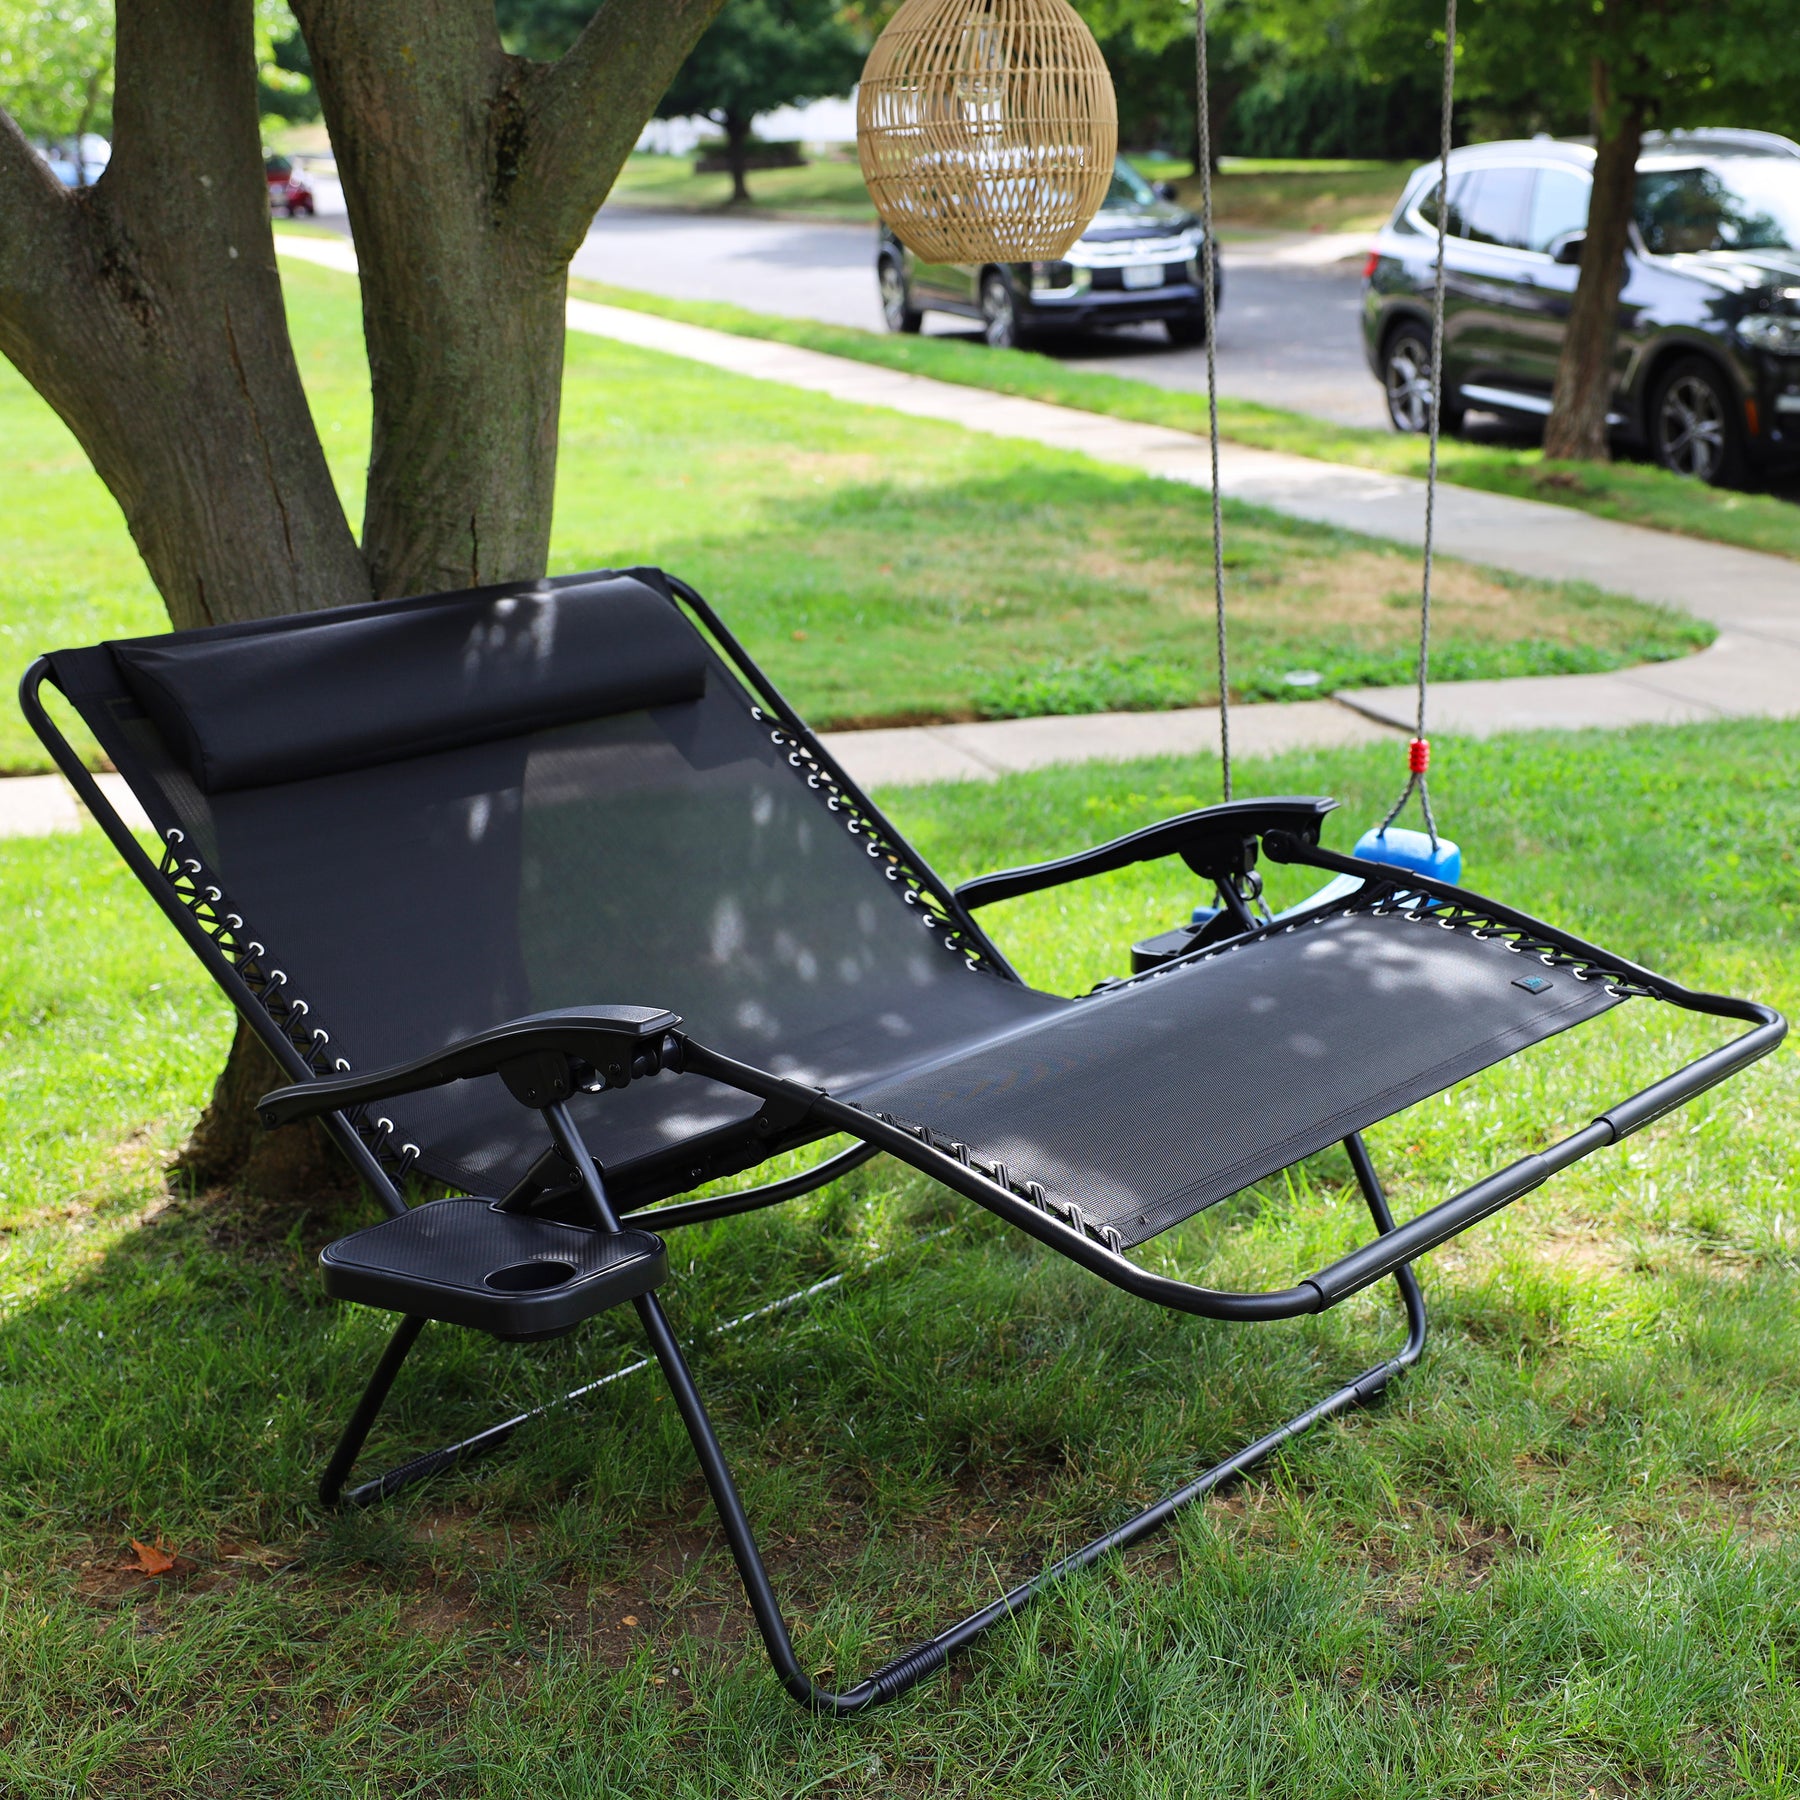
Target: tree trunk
x=148, y=312
x=1576, y=429
x=229, y=1147
x=737, y=154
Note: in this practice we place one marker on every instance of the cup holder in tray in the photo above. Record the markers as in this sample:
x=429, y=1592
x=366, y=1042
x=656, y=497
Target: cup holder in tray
x=466, y=1263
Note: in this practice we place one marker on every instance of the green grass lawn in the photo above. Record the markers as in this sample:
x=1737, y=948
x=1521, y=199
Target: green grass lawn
x=1637, y=493
x=888, y=569
x=1560, y=1559
x=828, y=187
x=1284, y=194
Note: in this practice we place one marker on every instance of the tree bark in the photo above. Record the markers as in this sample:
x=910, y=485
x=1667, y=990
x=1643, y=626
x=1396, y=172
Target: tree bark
x=147, y=311
x=471, y=178
x=1576, y=429
x=737, y=155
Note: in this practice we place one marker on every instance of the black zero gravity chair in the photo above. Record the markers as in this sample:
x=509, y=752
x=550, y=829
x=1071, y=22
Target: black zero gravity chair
x=546, y=894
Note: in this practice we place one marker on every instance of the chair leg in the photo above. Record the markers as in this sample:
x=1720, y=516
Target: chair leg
x=924, y=1658
x=433, y=1462
x=368, y=1409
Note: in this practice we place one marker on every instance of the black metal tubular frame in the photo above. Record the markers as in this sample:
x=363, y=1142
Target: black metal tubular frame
x=924, y=1658
x=674, y=1213
x=219, y=966
x=1390, y=1253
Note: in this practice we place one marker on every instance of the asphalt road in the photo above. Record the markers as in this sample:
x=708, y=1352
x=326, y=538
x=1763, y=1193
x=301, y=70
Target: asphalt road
x=1288, y=331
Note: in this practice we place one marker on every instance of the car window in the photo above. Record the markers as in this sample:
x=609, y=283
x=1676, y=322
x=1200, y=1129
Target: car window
x=1427, y=209
x=1128, y=188
x=1559, y=205
x=1487, y=206
x=1755, y=205
x=1493, y=206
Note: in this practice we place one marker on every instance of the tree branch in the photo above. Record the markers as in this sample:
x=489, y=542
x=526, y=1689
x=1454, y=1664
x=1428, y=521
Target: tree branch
x=39, y=223
x=585, y=112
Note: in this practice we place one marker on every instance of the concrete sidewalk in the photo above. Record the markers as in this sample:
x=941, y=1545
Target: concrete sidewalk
x=1753, y=669
x=1754, y=599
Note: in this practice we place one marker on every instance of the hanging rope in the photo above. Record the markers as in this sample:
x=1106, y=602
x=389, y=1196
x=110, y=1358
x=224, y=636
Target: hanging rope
x=1418, y=752
x=1203, y=135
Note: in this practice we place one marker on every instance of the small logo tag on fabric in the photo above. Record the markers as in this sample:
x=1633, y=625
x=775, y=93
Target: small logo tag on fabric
x=1533, y=984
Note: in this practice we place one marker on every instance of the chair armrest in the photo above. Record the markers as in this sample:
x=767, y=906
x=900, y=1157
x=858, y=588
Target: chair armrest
x=533, y=1055
x=1215, y=842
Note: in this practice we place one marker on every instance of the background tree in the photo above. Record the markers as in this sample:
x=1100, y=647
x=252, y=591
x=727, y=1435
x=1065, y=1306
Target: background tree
x=1613, y=68
x=758, y=55
x=147, y=310
x=56, y=67
x=1638, y=65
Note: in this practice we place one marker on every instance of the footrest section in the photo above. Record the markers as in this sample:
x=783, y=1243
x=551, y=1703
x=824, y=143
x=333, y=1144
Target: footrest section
x=466, y=1263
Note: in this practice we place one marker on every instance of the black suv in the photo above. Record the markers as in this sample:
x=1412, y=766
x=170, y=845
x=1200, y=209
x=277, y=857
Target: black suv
x=1139, y=259
x=1708, y=368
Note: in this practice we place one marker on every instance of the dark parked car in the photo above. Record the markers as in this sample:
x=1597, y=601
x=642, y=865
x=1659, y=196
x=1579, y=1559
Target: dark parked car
x=1139, y=259
x=1708, y=362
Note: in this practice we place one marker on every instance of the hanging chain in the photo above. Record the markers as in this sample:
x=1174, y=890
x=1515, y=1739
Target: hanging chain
x=1203, y=145
x=1419, y=750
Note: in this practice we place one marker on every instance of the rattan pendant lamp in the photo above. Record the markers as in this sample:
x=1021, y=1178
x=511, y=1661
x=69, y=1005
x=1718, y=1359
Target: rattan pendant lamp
x=987, y=128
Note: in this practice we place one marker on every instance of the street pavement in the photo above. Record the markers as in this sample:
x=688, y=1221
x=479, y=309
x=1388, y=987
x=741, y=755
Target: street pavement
x=1288, y=333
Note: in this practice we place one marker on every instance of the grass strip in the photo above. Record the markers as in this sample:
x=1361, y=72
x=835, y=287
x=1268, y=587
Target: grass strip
x=886, y=570
x=1634, y=493
x=1562, y=1558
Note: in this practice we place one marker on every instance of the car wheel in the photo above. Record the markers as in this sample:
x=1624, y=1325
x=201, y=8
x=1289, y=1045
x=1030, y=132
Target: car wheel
x=1406, y=379
x=999, y=315
x=1185, y=329
x=1693, y=423
x=896, y=303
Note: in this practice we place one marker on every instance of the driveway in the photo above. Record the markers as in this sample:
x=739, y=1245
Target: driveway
x=1287, y=330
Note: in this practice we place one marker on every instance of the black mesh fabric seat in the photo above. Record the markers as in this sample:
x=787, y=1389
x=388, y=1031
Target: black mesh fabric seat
x=414, y=888
x=546, y=893
x=667, y=854
x=1149, y=1101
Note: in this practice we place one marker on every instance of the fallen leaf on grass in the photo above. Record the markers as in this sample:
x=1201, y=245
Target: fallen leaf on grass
x=153, y=1559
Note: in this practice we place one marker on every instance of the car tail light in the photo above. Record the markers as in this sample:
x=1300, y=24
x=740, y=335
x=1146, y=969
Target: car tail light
x=1373, y=258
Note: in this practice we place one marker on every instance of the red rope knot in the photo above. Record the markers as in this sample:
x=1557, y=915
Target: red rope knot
x=1418, y=755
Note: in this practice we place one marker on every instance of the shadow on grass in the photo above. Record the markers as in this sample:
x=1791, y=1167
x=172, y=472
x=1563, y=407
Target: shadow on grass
x=904, y=1445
